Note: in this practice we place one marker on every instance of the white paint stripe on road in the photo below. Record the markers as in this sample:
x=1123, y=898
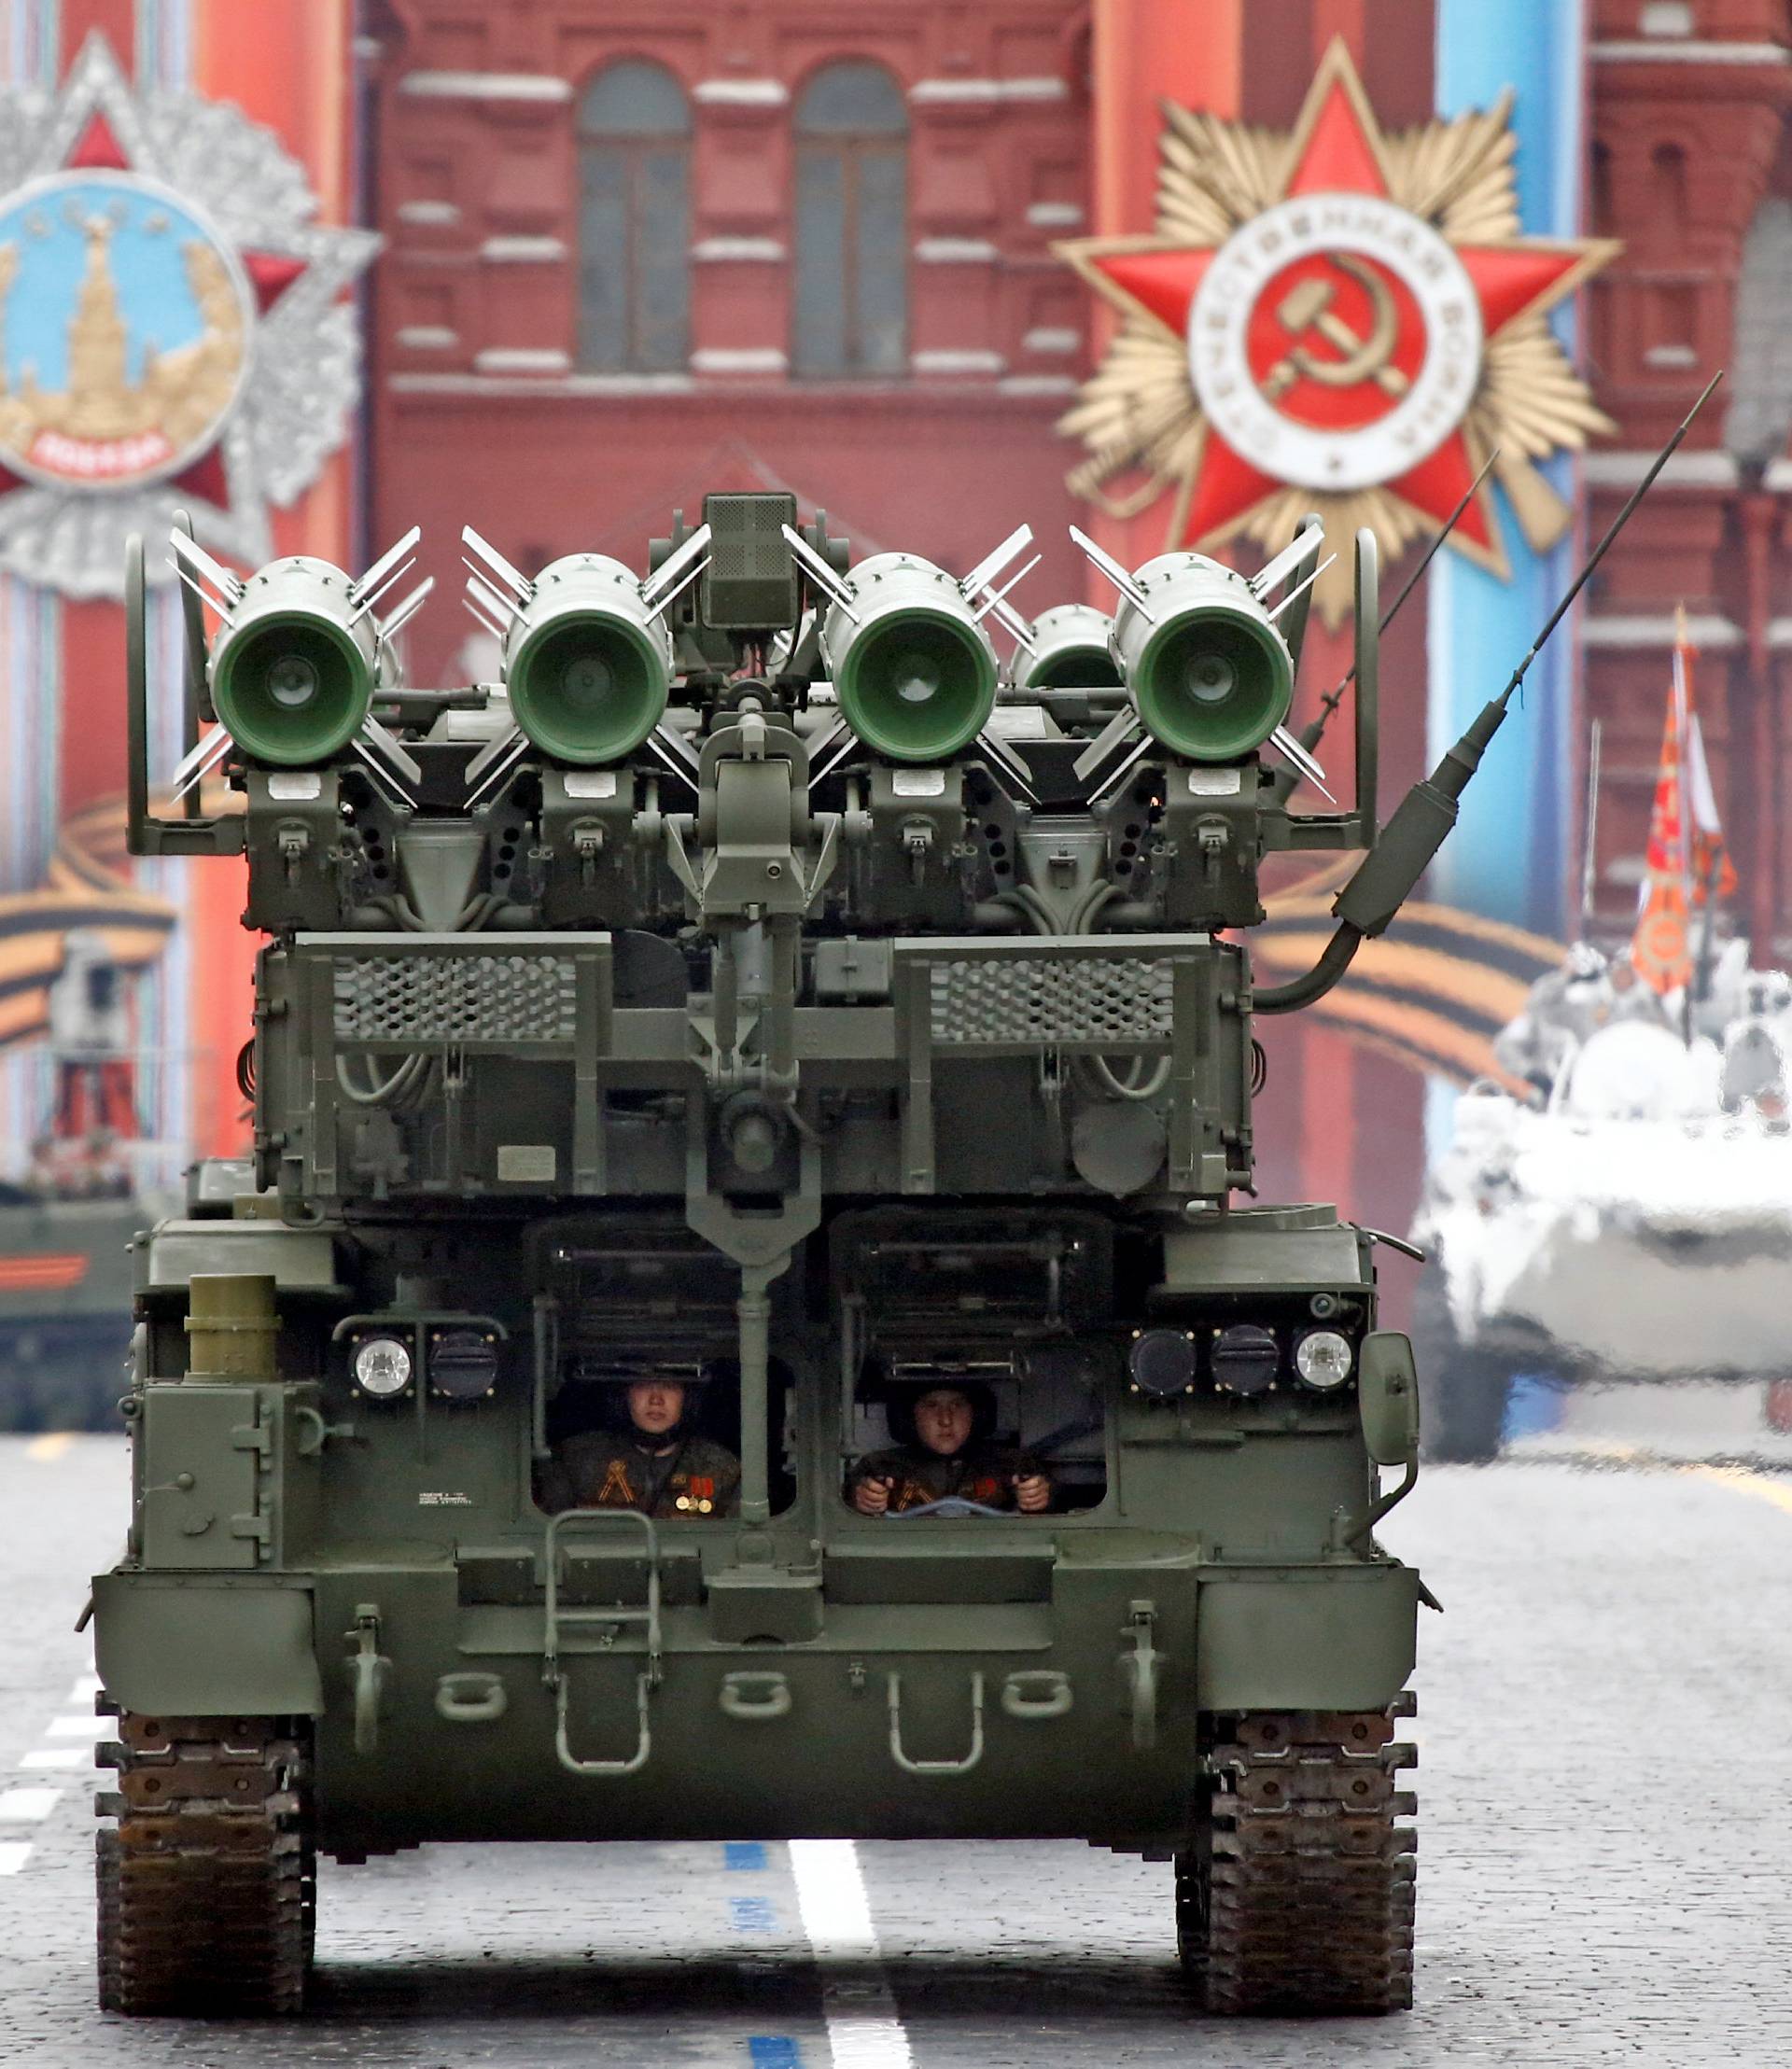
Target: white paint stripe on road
x=14, y=1853
x=27, y=1806
x=85, y=1689
x=80, y=1727
x=57, y=1756
x=863, y=2030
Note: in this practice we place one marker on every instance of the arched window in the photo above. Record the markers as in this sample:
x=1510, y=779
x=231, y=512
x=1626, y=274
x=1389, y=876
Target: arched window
x=634, y=221
x=852, y=313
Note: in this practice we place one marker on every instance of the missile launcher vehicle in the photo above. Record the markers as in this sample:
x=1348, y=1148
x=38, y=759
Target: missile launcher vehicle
x=755, y=1000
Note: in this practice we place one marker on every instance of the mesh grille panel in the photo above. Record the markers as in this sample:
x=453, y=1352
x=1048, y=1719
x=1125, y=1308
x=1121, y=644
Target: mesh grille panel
x=1094, y=998
x=750, y=581
x=455, y=998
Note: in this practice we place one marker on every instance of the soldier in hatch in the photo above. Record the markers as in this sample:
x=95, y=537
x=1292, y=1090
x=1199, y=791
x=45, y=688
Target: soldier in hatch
x=949, y=1455
x=658, y=1463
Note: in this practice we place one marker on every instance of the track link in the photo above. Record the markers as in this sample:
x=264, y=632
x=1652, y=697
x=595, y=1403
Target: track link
x=1298, y=1895
x=208, y=1878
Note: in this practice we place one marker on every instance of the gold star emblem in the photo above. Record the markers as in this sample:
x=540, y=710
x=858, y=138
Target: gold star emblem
x=1333, y=319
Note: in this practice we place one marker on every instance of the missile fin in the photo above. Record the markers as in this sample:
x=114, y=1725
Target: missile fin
x=991, y=564
x=499, y=566
x=1117, y=574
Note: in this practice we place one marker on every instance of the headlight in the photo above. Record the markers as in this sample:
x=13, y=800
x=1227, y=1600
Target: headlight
x=1323, y=1359
x=1161, y=1362
x=1245, y=1359
x=462, y=1363
x=381, y=1366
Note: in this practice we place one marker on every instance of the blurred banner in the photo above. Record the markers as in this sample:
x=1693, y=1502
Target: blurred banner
x=1334, y=250
x=173, y=334
x=1509, y=855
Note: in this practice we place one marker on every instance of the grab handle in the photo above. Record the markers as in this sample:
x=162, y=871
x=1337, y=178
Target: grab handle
x=1036, y=1693
x=755, y=1695
x=935, y=1767
x=470, y=1699
x=572, y=1762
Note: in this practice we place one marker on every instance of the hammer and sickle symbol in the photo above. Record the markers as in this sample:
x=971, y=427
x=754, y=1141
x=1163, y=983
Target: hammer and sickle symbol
x=1309, y=307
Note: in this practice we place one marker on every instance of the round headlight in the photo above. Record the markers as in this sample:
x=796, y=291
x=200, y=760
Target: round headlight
x=1245, y=1359
x=1161, y=1362
x=462, y=1363
x=1323, y=1359
x=381, y=1366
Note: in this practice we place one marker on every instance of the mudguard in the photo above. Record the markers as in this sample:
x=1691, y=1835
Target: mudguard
x=1320, y=1638
x=202, y=1647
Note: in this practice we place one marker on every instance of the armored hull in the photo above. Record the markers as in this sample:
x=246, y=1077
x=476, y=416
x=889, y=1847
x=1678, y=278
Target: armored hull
x=1591, y=1246
x=690, y=1100
x=64, y=1310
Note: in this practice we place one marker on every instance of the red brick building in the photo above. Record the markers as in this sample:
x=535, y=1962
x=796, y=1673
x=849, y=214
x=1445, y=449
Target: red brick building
x=602, y=223
x=1692, y=168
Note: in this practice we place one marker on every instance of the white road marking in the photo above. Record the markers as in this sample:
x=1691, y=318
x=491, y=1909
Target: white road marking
x=27, y=1806
x=863, y=2030
x=85, y=1689
x=14, y=1853
x=82, y=1727
x=57, y=1756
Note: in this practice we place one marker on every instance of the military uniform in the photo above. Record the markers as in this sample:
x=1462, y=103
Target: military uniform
x=979, y=1473
x=599, y=1469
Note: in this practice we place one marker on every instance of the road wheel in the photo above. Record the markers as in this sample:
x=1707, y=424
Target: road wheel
x=205, y=1880
x=1298, y=1897
x=1463, y=1392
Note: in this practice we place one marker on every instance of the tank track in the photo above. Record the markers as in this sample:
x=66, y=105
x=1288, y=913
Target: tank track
x=1298, y=1895
x=207, y=1881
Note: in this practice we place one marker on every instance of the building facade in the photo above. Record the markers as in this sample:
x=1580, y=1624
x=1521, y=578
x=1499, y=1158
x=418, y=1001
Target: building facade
x=633, y=255
x=1692, y=169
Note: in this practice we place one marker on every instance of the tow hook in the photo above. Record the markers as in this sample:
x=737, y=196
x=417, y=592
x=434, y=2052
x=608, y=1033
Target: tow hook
x=1139, y=1671
x=370, y=1673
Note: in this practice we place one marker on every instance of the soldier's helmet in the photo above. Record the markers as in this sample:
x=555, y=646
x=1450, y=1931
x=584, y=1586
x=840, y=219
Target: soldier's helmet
x=901, y=1396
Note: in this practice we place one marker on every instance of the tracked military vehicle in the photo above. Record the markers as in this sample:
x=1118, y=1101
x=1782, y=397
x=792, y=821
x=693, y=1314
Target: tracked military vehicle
x=736, y=993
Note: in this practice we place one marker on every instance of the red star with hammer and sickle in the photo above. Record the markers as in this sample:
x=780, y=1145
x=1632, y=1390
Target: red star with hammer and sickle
x=1337, y=150
x=269, y=275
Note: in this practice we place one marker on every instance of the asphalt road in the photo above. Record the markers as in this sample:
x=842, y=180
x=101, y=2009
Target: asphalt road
x=1605, y=1800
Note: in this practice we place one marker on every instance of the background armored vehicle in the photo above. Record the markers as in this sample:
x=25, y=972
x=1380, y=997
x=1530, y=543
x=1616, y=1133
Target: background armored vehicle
x=731, y=995
x=1634, y=1222
x=67, y=1222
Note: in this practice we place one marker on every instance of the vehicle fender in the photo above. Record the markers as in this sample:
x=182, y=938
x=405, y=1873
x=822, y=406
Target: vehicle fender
x=190, y=1646
x=1313, y=1638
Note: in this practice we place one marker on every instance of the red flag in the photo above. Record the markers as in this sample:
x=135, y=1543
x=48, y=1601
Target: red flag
x=1686, y=861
